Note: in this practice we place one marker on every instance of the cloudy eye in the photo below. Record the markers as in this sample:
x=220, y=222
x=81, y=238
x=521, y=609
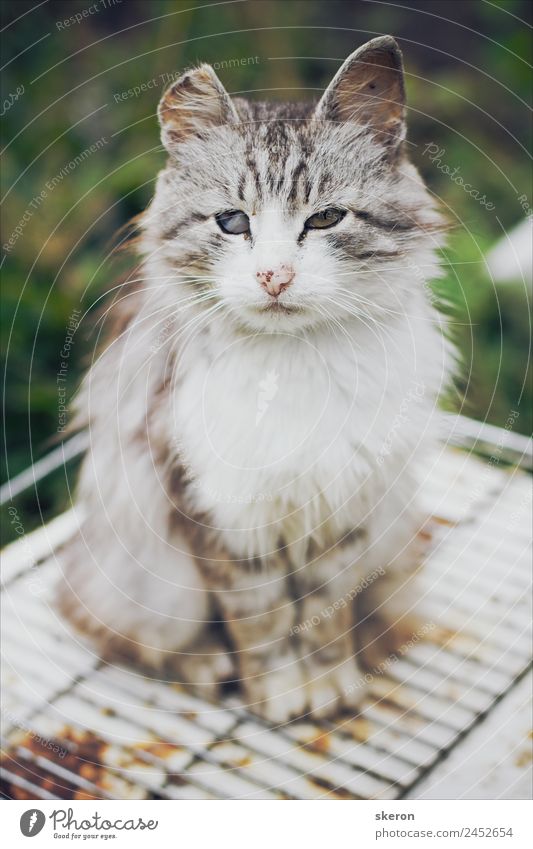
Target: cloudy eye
x=327, y=218
x=233, y=221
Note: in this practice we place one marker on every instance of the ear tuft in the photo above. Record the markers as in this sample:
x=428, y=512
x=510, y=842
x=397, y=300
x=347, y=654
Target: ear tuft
x=195, y=102
x=368, y=89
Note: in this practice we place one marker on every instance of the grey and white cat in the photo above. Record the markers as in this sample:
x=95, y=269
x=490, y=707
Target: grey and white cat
x=256, y=420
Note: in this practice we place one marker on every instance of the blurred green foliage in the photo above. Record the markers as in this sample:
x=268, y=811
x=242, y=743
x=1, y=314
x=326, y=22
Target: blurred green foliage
x=467, y=81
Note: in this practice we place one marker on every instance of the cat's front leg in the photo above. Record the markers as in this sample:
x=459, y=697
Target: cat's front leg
x=260, y=616
x=390, y=610
x=326, y=590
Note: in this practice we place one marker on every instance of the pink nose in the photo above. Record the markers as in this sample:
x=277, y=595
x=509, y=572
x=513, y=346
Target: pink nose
x=276, y=280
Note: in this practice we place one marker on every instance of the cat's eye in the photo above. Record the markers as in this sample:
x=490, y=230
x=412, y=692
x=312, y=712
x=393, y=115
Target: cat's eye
x=327, y=218
x=233, y=221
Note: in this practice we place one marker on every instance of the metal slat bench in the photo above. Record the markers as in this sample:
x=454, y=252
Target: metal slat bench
x=446, y=719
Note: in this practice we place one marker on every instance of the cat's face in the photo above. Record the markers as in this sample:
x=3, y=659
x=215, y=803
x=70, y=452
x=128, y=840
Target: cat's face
x=291, y=216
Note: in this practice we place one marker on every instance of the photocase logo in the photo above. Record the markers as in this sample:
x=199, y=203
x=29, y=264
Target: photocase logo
x=268, y=389
x=32, y=822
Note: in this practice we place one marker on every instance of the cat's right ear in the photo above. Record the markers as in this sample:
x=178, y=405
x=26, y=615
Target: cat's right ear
x=368, y=89
x=193, y=104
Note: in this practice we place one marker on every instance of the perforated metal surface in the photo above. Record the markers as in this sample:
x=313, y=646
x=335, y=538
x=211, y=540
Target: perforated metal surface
x=76, y=728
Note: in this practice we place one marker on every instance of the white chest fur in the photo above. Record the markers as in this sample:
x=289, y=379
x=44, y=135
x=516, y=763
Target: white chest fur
x=281, y=434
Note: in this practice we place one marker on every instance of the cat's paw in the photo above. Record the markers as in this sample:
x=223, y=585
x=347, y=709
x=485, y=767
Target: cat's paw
x=278, y=695
x=314, y=690
x=202, y=671
x=331, y=690
x=382, y=637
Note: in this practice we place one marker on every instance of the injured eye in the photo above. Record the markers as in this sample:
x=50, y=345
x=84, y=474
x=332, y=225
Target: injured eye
x=233, y=221
x=327, y=218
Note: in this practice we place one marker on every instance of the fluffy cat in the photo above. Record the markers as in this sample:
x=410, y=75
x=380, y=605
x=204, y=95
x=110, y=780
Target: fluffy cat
x=256, y=419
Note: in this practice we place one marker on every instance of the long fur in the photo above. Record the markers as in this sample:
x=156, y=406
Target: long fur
x=250, y=465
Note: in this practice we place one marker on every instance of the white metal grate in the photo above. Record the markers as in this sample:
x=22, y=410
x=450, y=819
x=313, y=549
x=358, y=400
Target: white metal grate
x=76, y=728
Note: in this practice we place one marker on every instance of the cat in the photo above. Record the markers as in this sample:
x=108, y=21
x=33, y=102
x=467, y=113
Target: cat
x=259, y=412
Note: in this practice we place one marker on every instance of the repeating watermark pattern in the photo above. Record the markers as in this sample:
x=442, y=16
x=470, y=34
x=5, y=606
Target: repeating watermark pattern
x=268, y=389
x=163, y=335
x=43, y=742
x=32, y=579
x=392, y=658
x=232, y=498
x=137, y=90
x=79, y=17
x=166, y=79
x=435, y=154
x=343, y=602
x=61, y=376
x=225, y=64
x=526, y=206
x=55, y=181
x=51, y=184
x=424, y=282
x=11, y=99
x=416, y=393
x=28, y=214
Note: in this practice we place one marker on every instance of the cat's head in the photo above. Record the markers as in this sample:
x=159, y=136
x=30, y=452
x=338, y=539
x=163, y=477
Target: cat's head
x=293, y=215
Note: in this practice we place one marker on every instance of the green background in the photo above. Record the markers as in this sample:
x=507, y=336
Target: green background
x=467, y=74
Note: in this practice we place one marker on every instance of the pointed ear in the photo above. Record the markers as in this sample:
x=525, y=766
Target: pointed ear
x=368, y=89
x=197, y=101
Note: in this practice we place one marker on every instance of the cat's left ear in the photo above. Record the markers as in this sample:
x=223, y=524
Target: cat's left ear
x=192, y=105
x=368, y=89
